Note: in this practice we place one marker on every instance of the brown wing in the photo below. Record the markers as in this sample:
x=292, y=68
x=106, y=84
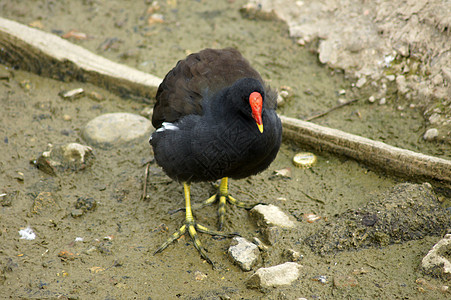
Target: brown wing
x=199, y=75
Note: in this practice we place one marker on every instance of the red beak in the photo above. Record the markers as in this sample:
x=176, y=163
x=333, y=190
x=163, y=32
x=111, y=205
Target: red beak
x=256, y=103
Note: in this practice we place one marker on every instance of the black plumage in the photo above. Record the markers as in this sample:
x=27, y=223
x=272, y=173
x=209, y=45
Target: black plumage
x=215, y=118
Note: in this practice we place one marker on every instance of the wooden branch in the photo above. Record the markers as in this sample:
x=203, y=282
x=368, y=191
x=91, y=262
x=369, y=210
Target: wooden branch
x=46, y=54
x=394, y=160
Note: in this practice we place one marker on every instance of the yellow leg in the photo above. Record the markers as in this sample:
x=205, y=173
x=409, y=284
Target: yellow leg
x=222, y=197
x=192, y=227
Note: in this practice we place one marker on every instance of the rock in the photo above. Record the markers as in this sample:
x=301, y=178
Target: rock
x=430, y=134
x=272, y=221
x=361, y=82
x=199, y=276
x=282, y=173
x=116, y=129
x=390, y=77
x=292, y=255
x=401, y=83
x=7, y=199
x=244, y=253
x=72, y=156
x=45, y=202
x=95, y=96
x=437, y=262
x=83, y=205
x=72, y=94
x=280, y=275
x=271, y=215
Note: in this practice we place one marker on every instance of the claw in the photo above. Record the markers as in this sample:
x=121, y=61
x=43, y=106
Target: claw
x=192, y=227
x=224, y=197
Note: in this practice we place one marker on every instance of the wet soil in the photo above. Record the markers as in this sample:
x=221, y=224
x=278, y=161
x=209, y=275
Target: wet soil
x=114, y=257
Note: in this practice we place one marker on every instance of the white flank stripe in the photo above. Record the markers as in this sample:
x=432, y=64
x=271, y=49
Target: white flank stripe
x=167, y=126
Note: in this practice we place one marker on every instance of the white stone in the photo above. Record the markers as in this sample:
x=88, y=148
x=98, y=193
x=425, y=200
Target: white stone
x=116, y=128
x=360, y=82
x=275, y=276
x=271, y=215
x=430, y=134
x=436, y=261
x=244, y=253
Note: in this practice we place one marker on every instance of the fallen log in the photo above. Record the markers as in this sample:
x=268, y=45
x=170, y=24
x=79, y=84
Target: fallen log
x=401, y=162
x=48, y=55
x=45, y=54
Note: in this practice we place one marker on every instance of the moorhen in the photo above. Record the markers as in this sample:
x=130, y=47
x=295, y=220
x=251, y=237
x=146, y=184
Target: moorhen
x=215, y=118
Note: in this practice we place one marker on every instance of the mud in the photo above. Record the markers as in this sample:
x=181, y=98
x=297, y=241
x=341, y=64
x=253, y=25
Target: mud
x=105, y=250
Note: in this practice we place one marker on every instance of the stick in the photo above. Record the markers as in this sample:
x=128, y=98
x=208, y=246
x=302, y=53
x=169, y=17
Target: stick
x=394, y=160
x=146, y=175
x=329, y=110
x=48, y=55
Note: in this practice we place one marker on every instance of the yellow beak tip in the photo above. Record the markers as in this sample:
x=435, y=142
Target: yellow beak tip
x=260, y=127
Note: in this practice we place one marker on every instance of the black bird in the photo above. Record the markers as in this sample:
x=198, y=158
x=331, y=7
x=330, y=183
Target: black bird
x=215, y=118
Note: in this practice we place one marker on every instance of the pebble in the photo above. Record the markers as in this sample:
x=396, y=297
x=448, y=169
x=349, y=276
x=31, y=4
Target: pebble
x=86, y=204
x=282, y=97
x=361, y=82
x=282, y=173
x=390, y=77
x=72, y=156
x=276, y=276
x=292, y=255
x=7, y=199
x=430, y=134
x=436, y=262
x=383, y=101
x=199, y=276
x=96, y=96
x=271, y=215
x=45, y=202
x=244, y=253
x=116, y=129
x=371, y=99
x=72, y=94
x=272, y=220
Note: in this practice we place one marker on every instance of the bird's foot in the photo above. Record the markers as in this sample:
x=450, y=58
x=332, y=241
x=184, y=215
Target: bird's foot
x=222, y=197
x=192, y=228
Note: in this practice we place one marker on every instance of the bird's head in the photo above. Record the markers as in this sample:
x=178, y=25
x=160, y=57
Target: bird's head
x=251, y=93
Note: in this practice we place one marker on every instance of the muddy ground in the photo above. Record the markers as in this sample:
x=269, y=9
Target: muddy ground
x=114, y=259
